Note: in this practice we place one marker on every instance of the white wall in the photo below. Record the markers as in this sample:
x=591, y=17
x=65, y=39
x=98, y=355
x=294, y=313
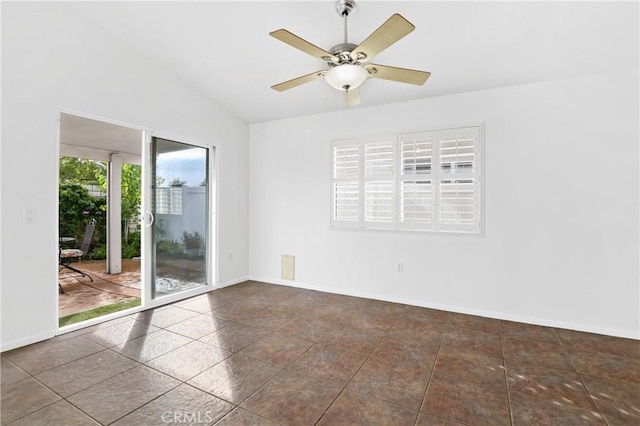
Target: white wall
x=53, y=59
x=192, y=217
x=561, y=219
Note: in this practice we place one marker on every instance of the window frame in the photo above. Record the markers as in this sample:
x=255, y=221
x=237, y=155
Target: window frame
x=435, y=175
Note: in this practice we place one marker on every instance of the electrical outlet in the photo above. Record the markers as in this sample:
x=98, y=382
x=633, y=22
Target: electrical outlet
x=400, y=267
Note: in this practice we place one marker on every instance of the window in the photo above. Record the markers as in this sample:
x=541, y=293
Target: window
x=411, y=181
x=169, y=200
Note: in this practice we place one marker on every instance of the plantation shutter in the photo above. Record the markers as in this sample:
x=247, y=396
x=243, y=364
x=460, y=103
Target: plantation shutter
x=379, y=178
x=416, y=180
x=346, y=182
x=459, y=204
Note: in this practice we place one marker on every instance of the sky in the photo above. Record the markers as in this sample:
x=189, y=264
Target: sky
x=187, y=165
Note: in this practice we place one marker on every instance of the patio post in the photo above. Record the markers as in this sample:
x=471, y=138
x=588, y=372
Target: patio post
x=114, y=220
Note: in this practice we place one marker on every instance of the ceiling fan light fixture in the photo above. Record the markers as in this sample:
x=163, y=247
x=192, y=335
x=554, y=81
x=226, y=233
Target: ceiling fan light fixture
x=348, y=63
x=346, y=76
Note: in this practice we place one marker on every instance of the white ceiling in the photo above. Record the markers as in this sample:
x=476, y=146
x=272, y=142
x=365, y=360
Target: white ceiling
x=223, y=48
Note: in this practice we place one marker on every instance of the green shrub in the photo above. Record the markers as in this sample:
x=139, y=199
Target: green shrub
x=131, y=249
x=192, y=240
x=129, y=252
x=76, y=209
x=170, y=248
x=99, y=252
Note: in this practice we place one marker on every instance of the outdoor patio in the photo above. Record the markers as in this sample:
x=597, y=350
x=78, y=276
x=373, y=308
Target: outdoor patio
x=80, y=294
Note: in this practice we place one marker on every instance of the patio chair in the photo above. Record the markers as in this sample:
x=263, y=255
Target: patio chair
x=66, y=256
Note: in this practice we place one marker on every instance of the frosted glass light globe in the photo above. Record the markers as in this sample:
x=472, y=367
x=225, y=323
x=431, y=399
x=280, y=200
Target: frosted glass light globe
x=346, y=76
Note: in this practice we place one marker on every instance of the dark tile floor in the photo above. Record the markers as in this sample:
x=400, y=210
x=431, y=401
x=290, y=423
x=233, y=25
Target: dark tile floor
x=261, y=354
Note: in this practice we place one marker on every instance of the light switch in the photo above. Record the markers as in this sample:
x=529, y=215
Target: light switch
x=28, y=215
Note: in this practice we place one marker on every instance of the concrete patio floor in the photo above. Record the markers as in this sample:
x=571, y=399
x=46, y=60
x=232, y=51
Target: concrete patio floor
x=80, y=294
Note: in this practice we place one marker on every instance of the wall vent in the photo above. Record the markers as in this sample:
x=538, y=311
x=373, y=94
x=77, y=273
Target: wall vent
x=288, y=267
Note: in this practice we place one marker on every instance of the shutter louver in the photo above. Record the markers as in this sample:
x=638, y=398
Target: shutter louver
x=458, y=208
x=379, y=159
x=379, y=204
x=346, y=161
x=457, y=154
x=416, y=202
x=346, y=202
x=346, y=183
x=379, y=182
x=416, y=190
x=457, y=201
x=416, y=155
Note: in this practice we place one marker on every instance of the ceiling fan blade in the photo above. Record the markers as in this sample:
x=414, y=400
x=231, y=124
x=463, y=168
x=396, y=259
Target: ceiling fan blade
x=302, y=44
x=388, y=33
x=351, y=97
x=290, y=84
x=403, y=75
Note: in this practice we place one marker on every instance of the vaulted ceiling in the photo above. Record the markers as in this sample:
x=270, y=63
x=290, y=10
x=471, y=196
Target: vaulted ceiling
x=224, y=50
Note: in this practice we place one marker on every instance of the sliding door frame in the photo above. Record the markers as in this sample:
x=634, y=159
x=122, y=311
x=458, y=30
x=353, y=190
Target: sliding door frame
x=148, y=186
x=147, y=301
x=81, y=153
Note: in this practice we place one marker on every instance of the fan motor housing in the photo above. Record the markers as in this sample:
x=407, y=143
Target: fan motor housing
x=343, y=52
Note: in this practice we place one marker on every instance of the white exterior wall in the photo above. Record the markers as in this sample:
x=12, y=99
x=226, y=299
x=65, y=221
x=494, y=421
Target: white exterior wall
x=561, y=244
x=191, y=219
x=52, y=59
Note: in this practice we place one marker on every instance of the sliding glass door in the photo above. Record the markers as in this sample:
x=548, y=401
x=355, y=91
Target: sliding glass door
x=180, y=208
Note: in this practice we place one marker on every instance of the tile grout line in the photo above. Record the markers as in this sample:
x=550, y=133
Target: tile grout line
x=506, y=375
x=344, y=388
x=66, y=399
x=433, y=368
x=147, y=403
x=39, y=408
x=144, y=364
x=307, y=350
x=282, y=369
x=102, y=381
x=63, y=364
x=139, y=364
x=593, y=400
x=61, y=398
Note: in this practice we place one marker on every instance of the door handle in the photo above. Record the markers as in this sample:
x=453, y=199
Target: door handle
x=150, y=219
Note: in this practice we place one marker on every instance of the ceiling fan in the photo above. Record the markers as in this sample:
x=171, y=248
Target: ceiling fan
x=348, y=63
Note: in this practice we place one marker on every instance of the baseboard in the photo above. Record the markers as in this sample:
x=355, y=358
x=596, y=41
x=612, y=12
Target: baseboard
x=233, y=282
x=628, y=334
x=27, y=340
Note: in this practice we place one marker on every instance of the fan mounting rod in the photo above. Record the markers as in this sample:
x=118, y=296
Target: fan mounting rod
x=343, y=50
x=344, y=8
